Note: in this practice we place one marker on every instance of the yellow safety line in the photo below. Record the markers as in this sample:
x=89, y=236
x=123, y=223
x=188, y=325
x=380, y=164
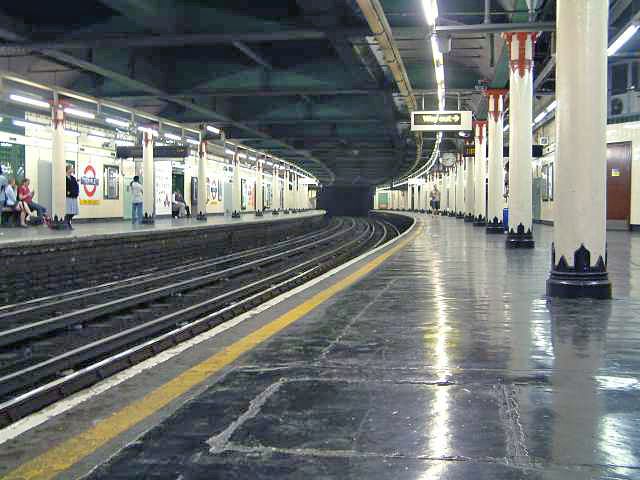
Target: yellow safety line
x=68, y=453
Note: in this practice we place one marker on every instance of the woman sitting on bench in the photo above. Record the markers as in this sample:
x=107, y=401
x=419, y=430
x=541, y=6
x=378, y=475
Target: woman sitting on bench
x=13, y=203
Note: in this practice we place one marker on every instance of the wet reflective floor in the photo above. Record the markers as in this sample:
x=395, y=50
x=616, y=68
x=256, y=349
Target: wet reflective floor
x=446, y=362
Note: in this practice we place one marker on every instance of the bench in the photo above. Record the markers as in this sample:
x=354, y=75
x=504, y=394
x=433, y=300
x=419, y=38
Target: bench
x=9, y=217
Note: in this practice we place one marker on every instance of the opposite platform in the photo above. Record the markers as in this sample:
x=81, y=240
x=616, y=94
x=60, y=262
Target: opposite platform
x=446, y=361
x=107, y=229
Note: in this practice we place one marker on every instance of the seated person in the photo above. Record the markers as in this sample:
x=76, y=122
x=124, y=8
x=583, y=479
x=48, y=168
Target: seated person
x=26, y=196
x=11, y=201
x=178, y=205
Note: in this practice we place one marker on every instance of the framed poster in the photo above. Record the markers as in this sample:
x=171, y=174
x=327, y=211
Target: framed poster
x=544, y=174
x=111, y=182
x=163, y=193
x=244, y=194
x=550, y=182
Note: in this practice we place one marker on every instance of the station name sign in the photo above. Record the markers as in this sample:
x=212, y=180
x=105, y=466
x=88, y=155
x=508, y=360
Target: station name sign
x=536, y=151
x=162, y=151
x=437, y=121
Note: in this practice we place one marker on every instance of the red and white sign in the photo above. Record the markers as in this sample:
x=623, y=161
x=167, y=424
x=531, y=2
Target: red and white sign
x=90, y=182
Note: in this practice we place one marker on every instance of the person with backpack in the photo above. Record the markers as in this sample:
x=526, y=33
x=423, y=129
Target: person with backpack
x=136, y=200
x=71, y=202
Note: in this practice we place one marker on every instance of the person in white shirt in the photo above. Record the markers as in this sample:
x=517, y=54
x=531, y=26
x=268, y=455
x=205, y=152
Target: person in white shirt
x=179, y=205
x=136, y=200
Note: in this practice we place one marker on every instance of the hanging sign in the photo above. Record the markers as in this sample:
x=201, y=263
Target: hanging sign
x=435, y=121
x=162, y=151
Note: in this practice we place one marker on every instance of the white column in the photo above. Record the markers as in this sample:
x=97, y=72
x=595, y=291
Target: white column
x=148, y=175
x=285, y=189
x=469, y=185
x=460, y=188
x=496, y=160
x=236, y=190
x=579, y=234
x=202, y=178
x=259, y=200
x=480, y=173
x=275, y=189
x=521, y=46
x=58, y=167
x=444, y=198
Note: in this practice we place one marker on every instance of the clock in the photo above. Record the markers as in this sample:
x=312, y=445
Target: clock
x=448, y=159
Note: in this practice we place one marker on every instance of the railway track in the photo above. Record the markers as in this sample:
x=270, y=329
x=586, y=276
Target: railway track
x=54, y=346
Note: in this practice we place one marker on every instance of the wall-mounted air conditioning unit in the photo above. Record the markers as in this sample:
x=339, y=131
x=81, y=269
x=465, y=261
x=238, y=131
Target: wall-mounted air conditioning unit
x=624, y=104
x=544, y=141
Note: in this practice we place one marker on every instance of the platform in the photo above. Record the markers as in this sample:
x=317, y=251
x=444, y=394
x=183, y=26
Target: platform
x=105, y=229
x=435, y=357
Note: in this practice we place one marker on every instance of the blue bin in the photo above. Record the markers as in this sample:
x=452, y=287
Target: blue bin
x=505, y=219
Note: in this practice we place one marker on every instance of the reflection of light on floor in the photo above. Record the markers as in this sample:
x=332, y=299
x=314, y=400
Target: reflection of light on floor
x=541, y=334
x=438, y=430
x=616, y=432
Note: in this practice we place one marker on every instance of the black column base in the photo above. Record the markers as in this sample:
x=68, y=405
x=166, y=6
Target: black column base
x=59, y=224
x=479, y=221
x=580, y=281
x=235, y=214
x=578, y=285
x=259, y=213
x=422, y=210
x=468, y=218
x=459, y=215
x=520, y=238
x=148, y=220
x=201, y=217
x=495, y=226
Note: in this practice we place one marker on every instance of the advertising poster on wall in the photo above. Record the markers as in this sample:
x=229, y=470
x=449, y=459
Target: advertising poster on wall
x=214, y=191
x=89, y=178
x=163, y=173
x=244, y=195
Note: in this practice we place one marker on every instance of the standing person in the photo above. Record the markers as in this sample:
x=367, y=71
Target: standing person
x=11, y=201
x=73, y=190
x=136, y=200
x=3, y=185
x=435, y=199
x=25, y=195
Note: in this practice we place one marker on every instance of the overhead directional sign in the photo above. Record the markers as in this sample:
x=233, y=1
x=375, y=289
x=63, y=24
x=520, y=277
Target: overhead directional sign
x=441, y=120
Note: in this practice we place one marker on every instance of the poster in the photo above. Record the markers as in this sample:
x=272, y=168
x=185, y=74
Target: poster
x=214, y=190
x=88, y=176
x=163, y=193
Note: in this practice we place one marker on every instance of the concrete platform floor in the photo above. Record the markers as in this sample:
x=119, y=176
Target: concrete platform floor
x=445, y=362
x=122, y=227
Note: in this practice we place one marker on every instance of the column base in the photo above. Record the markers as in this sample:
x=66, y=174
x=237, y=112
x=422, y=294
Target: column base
x=579, y=285
x=459, y=215
x=520, y=239
x=201, y=217
x=148, y=220
x=275, y=212
x=580, y=281
x=59, y=224
x=468, y=218
x=422, y=211
x=235, y=214
x=495, y=226
x=479, y=221
x=259, y=213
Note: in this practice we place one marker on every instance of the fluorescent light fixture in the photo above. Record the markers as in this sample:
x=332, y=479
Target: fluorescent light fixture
x=71, y=133
x=242, y=155
x=506, y=129
x=118, y=123
x=551, y=107
x=29, y=101
x=20, y=123
x=192, y=141
x=252, y=158
x=151, y=131
x=622, y=39
x=98, y=138
x=98, y=133
x=172, y=136
x=463, y=134
x=435, y=47
x=430, y=8
x=269, y=163
x=439, y=73
x=124, y=143
x=213, y=129
x=74, y=112
x=228, y=151
x=540, y=117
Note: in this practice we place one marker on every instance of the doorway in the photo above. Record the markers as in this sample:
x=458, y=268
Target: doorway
x=618, y=185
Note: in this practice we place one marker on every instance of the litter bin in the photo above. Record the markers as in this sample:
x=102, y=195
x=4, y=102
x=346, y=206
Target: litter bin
x=505, y=219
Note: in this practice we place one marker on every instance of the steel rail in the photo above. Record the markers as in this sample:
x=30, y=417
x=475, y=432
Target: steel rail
x=33, y=374
x=80, y=295
x=36, y=329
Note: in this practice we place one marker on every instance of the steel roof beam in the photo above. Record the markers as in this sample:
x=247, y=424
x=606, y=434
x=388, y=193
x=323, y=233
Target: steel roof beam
x=253, y=93
x=497, y=28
